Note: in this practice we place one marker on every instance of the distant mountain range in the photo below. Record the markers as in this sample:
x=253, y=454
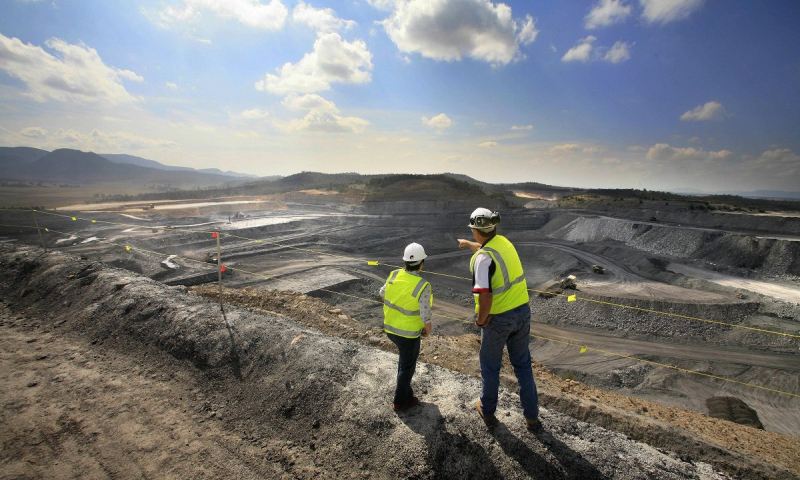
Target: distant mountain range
x=143, y=162
x=74, y=166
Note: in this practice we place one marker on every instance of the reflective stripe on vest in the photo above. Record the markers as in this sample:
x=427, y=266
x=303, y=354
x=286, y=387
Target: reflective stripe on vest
x=401, y=304
x=507, y=293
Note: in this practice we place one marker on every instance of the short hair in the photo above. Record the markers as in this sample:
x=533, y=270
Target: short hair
x=487, y=235
x=414, y=266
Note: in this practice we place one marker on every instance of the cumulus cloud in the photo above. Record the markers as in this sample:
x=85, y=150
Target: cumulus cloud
x=322, y=116
x=487, y=144
x=323, y=20
x=439, y=121
x=34, y=132
x=607, y=12
x=783, y=162
x=97, y=140
x=333, y=60
x=709, y=111
x=124, y=141
x=453, y=29
x=618, y=53
x=567, y=147
x=664, y=153
x=309, y=101
x=581, y=52
x=528, y=32
x=253, y=13
x=665, y=11
x=522, y=127
x=327, y=122
x=171, y=85
x=585, y=52
x=76, y=73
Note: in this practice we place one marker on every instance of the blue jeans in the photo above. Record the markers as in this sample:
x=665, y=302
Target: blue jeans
x=408, y=349
x=513, y=330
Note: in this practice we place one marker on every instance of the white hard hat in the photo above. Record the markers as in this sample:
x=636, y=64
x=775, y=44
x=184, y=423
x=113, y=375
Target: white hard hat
x=414, y=253
x=484, y=219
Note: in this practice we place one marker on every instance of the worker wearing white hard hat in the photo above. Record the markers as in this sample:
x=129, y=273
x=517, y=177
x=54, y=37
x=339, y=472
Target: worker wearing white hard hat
x=502, y=313
x=407, y=311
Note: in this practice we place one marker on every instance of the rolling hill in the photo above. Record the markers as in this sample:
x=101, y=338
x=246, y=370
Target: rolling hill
x=77, y=167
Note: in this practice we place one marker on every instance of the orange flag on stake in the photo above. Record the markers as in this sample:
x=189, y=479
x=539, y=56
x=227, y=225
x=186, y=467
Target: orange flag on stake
x=214, y=235
x=222, y=267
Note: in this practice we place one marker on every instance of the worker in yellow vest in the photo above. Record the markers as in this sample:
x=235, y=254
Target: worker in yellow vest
x=407, y=312
x=503, y=315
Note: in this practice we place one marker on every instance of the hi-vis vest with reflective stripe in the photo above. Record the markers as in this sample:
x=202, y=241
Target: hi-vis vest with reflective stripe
x=509, y=288
x=401, y=304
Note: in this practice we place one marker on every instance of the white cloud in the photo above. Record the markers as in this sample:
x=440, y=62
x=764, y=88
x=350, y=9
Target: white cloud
x=439, y=121
x=567, y=147
x=254, y=114
x=309, y=102
x=665, y=154
x=665, y=11
x=333, y=60
x=171, y=85
x=327, y=122
x=618, y=53
x=581, y=52
x=34, y=132
x=593, y=150
x=585, y=52
x=76, y=73
x=781, y=162
x=607, y=12
x=323, y=20
x=527, y=34
x=124, y=141
x=453, y=29
x=487, y=144
x=709, y=111
x=252, y=13
x=95, y=141
x=522, y=127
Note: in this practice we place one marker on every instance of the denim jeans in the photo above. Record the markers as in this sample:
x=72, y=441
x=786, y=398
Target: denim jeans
x=406, y=365
x=511, y=329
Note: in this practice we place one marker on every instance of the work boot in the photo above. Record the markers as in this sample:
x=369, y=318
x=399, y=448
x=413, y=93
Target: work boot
x=488, y=419
x=413, y=403
x=534, y=425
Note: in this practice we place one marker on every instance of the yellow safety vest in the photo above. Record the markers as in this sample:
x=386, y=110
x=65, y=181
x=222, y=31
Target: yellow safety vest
x=401, y=304
x=509, y=288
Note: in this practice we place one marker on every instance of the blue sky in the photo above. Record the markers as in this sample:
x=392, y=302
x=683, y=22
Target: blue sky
x=656, y=94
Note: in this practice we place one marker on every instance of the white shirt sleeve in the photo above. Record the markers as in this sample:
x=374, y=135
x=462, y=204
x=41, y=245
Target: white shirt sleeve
x=425, y=311
x=481, y=268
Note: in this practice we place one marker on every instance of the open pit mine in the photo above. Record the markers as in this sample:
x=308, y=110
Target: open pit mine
x=245, y=340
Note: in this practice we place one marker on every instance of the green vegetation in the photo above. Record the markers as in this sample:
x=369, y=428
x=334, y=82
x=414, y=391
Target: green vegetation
x=700, y=203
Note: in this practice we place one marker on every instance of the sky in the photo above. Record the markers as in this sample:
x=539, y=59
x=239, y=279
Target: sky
x=677, y=95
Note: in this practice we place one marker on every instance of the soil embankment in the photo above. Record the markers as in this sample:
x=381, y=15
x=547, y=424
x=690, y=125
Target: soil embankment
x=106, y=373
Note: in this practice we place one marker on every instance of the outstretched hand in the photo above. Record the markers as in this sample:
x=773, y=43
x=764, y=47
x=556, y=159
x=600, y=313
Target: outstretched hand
x=463, y=243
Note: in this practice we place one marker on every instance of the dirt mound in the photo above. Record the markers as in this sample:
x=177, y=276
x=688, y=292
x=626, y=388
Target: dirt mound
x=283, y=400
x=733, y=410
